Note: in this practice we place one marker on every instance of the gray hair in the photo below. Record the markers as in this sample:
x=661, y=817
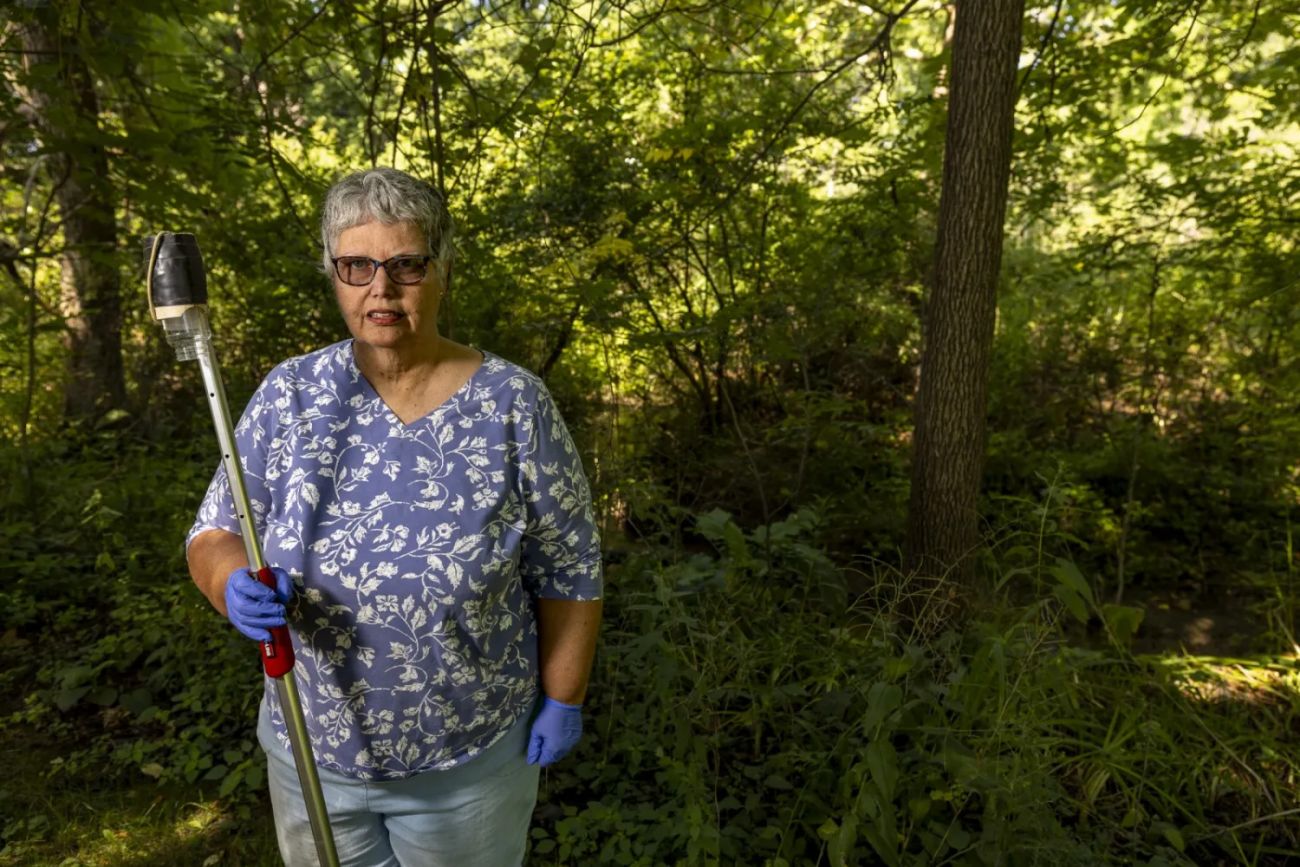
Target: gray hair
x=389, y=196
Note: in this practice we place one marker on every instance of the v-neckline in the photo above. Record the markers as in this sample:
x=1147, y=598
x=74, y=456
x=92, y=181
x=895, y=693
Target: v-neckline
x=437, y=410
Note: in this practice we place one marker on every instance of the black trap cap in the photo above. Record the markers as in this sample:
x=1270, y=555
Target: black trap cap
x=176, y=274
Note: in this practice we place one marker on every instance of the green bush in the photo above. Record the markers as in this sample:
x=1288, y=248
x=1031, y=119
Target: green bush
x=135, y=668
x=738, y=716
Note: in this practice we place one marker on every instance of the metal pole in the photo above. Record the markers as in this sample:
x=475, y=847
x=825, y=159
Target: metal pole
x=286, y=685
x=177, y=290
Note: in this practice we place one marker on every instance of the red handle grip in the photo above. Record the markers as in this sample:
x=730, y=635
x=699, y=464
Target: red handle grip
x=277, y=654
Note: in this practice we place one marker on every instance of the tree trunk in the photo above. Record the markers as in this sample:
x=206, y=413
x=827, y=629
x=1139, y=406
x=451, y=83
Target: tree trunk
x=61, y=104
x=948, y=446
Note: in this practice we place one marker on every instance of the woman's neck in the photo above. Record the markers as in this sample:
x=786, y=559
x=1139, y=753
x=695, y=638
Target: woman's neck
x=400, y=369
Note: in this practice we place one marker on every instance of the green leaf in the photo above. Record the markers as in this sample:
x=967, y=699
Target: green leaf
x=882, y=760
x=885, y=844
x=64, y=699
x=899, y=665
x=1171, y=834
x=737, y=547
x=102, y=696
x=1069, y=575
x=137, y=700
x=1008, y=575
x=527, y=57
x=840, y=846
x=959, y=760
x=255, y=776
x=1072, y=601
x=882, y=699
x=74, y=675
x=712, y=525
x=1122, y=621
x=231, y=781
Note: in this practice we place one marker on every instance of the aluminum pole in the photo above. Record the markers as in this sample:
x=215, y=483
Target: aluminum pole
x=286, y=684
x=177, y=291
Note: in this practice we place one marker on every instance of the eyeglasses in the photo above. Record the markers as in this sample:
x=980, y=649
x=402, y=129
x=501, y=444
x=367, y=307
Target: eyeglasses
x=360, y=270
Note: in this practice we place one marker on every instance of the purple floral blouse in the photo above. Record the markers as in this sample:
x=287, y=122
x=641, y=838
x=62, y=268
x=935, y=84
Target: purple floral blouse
x=417, y=550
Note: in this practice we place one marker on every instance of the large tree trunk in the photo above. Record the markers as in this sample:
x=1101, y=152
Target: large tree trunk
x=61, y=104
x=948, y=445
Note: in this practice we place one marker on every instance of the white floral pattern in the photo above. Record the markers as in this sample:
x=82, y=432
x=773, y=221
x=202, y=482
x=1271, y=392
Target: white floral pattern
x=417, y=552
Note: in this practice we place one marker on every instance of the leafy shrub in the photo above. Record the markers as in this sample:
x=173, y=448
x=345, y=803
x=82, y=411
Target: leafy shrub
x=741, y=712
x=135, y=668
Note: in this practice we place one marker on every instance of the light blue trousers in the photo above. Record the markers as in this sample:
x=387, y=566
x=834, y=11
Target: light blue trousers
x=474, y=815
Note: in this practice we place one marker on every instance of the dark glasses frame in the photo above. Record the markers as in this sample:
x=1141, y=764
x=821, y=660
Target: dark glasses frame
x=375, y=265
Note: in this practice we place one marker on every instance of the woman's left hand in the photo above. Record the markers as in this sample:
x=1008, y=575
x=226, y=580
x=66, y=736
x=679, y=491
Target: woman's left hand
x=556, y=731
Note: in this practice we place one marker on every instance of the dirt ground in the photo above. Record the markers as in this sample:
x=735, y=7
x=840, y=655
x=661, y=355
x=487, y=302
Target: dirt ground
x=1221, y=624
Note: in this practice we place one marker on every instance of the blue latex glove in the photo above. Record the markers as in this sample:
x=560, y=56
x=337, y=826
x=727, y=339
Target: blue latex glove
x=255, y=608
x=556, y=730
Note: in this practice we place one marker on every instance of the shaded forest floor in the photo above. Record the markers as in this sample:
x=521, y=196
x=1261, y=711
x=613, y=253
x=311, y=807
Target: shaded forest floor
x=1204, y=625
x=53, y=817
x=746, y=707
x=86, y=820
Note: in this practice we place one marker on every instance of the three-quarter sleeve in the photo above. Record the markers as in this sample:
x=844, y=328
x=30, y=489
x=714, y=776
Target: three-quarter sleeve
x=253, y=435
x=560, y=552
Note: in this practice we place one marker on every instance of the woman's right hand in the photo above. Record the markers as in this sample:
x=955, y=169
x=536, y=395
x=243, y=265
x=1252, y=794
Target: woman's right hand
x=255, y=608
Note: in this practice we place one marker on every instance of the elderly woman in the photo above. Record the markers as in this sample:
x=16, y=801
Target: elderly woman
x=437, y=560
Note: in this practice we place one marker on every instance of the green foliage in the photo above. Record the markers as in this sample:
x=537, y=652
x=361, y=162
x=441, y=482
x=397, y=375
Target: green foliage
x=737, y=717
x=127, y=644
x=720, y=221
x=736, y=712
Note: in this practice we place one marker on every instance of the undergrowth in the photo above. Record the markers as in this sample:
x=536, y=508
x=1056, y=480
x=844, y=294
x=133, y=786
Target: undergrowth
x=746, y=710
x=747, y=707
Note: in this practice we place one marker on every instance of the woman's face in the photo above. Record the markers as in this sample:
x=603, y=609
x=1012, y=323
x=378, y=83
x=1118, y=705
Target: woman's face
x=384, y=314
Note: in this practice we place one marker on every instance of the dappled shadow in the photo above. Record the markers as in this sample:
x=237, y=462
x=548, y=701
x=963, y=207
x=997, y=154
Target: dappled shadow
x=225, y=845
x=90, y=820
x=1247, y=711
x=1257, y=681
x=136, y=833
x=1224, y=626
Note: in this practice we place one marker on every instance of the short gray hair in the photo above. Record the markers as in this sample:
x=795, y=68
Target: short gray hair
x=389, y=196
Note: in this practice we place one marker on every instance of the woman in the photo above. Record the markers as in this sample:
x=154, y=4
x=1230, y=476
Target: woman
x=436, y=557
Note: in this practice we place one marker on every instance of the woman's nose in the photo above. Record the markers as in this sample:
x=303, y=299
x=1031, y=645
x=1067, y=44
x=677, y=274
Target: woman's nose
x=381, y=286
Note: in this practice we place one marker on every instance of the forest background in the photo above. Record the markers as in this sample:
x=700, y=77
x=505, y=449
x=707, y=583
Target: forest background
x=710, y=226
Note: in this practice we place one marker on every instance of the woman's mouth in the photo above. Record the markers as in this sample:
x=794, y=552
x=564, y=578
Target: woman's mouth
x=384, y=317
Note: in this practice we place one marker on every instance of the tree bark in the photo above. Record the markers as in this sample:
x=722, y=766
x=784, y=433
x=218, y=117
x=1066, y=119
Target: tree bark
x=951, y=403
x=57, y=85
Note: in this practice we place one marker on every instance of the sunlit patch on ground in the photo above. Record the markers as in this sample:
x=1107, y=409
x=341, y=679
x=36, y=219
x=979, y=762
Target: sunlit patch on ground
x=1259, y=681
x=132, y=826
